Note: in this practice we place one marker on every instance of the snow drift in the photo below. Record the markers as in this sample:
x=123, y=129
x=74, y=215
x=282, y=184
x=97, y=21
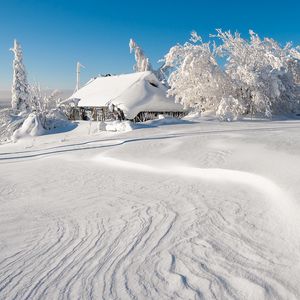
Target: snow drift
x=190, y=212
x=31, y=126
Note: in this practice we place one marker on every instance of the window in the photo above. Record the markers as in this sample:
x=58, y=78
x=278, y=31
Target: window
x=153, y=84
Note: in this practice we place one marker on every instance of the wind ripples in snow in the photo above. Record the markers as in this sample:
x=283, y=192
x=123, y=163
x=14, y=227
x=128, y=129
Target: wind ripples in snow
x=152, y=248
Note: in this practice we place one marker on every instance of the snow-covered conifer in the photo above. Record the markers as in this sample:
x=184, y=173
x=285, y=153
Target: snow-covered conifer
x=142, y=62
x=20, y=87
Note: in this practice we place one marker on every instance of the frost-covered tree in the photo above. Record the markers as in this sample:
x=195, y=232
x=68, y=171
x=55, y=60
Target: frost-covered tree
x=229, y=109
x=142, y=62
x=46, y=107
x=20, y=86
x=259, y=76
x=261, y=70
x=294, y=64
x=43, y=115
x=43, y=102
x=33, y=112
x=196, y=80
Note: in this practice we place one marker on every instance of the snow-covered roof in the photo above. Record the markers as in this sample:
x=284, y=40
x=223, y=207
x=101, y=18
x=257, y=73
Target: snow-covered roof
x=132, y=93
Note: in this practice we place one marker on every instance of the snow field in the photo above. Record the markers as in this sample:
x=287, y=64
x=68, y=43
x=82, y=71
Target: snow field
x=181, y=211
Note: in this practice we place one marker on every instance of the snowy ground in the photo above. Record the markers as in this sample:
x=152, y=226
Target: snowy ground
x=190, y=211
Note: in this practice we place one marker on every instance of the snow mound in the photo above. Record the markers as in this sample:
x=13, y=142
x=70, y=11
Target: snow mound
x=56, y=119
x=125, y=126
x=162, y=120
x=205, y=116
x=36, y=124
x=9, y=122
x=31, y=126
x=119, y=126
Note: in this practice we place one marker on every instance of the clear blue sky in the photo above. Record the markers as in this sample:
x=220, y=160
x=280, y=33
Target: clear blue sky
x=55, y=34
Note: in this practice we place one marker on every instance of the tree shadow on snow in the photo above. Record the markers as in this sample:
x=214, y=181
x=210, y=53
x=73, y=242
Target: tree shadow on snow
x=61, y=129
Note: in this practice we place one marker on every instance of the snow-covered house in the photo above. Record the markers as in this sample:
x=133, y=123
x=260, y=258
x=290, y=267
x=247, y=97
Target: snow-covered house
x=138, y=96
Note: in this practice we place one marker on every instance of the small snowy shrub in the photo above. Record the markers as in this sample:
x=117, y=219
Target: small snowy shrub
x=229, y=109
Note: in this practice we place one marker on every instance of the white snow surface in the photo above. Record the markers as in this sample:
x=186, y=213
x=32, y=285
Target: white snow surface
x=130, y=92
x=119, y=126
x=204, y=210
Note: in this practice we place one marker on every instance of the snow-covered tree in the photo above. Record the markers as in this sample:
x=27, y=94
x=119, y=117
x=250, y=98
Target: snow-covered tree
x=259, y=76
x=33, y=112
x=43, y=114
x=261, y=71
x=20, y=87
x=294, y=64
x=43, y=102
x=229, y=109
x=142, y=62
x=196, y=80
x=45, y=107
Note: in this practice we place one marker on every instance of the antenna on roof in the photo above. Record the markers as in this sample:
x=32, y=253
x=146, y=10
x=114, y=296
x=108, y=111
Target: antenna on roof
x=79, y=65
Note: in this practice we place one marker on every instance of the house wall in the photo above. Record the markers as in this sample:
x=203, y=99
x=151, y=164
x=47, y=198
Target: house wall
x=104, y=114
x=92, y=113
